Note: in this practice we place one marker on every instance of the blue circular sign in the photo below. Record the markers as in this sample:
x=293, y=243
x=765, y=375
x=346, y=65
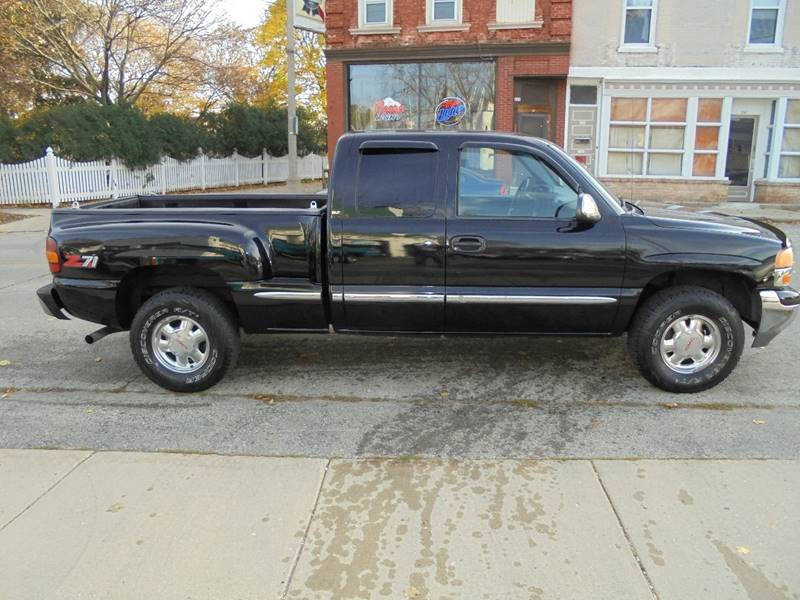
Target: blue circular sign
x=451, y=111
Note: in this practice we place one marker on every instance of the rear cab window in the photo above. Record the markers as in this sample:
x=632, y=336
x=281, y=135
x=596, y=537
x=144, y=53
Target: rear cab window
x=397, y=182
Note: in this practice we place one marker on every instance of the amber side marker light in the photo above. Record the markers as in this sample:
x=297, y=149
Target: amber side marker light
x=53, y=255
x=784, y=262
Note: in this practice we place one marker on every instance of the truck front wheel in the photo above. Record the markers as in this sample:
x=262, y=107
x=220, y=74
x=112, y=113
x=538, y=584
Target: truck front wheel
x=686, y=339
x=184, y=339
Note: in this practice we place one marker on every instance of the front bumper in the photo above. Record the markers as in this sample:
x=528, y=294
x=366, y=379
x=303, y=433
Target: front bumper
x=778, y=309
x=51, y=303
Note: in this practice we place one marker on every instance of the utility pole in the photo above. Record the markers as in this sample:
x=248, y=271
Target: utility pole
x=291, y=108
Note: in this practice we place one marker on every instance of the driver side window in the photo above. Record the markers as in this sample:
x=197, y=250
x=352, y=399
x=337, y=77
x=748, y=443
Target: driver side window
x=498, y=183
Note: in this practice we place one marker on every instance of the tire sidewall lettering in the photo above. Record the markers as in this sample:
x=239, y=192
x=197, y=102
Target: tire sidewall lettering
x=726, y=351
x=146, y=350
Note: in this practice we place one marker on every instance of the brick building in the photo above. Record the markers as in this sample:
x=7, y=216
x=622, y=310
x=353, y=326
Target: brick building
x=392, y=62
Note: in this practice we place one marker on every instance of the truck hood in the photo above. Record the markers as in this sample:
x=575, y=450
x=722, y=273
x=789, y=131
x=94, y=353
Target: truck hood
x=714, y=222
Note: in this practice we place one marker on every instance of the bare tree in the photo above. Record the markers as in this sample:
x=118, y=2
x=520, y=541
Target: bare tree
x=113, y=51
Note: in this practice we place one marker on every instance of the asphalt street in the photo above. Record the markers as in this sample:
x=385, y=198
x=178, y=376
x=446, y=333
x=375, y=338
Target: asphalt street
x=348, y=396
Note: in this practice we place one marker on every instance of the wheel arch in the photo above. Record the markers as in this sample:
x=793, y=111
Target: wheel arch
x=142, y=283
x=738, y=289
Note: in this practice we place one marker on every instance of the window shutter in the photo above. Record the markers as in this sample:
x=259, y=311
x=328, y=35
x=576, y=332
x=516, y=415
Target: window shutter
x=515, y=11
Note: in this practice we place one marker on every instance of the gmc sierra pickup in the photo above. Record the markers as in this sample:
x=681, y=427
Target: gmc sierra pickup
x=422, y=232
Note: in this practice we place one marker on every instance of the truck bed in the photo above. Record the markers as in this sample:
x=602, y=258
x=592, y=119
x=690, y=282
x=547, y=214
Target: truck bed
x=234, y=200
x=254, y=250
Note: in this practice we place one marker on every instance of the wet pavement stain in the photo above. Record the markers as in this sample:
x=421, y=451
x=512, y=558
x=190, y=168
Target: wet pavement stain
x=755, y=583
x=655, y=553
x=388, y=528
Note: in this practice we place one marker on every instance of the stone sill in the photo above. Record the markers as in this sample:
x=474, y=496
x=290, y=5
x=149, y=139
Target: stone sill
x=763, y=49
x=444, y=27
x=494, y=26
x=777, y=183
x=676, y=179
x=374, y=30
x=638, y=49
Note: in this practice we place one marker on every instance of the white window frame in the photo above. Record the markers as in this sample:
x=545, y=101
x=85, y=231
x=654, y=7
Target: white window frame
x=650, y=46
x=362, y=14
x=646, y=150
x=784, y=105
x=690, y=131
x=777, y=44
x=458, y=13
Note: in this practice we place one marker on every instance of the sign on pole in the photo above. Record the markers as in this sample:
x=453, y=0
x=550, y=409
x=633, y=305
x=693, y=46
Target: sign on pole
x=309, y=15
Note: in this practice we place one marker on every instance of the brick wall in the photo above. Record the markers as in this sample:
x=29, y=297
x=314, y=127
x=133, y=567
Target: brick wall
x=509, y=67
x=555, y=17
x=342, y=15
x=777, y=192
x=337, y=98
x=668, y=190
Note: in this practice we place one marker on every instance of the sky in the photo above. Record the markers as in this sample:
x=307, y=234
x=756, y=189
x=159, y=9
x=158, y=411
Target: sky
x=247, y=13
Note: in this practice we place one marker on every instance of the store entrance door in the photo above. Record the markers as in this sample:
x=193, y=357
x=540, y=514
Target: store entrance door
x=739, y=164
x=535, y=107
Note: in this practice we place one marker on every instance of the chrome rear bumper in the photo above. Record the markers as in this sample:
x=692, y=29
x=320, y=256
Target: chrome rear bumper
x=778, y=309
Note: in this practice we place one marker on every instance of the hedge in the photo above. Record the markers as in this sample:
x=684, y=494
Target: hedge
x=86, y=132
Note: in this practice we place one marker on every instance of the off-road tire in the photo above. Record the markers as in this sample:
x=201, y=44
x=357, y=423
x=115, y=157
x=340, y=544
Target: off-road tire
x=210, y=313
x=661, y=309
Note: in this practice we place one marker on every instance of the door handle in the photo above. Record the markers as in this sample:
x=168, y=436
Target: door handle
x=468, y=243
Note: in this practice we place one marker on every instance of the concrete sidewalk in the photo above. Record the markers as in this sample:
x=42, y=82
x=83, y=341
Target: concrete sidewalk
x=775, y=213
x=85, y=525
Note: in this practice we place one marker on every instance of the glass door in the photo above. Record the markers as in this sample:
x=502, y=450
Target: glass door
x=739, y=164
x=535, y=107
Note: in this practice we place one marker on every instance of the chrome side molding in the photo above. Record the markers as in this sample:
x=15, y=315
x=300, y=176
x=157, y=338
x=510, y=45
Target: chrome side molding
x=520, y=299
x=392, y=297
x=301, y=295
x=433, y=294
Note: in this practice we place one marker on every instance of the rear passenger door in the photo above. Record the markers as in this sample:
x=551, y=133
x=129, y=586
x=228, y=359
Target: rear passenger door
x=392, y=239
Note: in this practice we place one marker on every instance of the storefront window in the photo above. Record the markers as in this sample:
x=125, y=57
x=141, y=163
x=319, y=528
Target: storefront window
x=790, y=148
x=646, y=136
x=405, y=95
x=649, y=137
x=706, y=141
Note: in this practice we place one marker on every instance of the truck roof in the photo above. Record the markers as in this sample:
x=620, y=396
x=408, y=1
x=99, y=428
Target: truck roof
x=431, y=134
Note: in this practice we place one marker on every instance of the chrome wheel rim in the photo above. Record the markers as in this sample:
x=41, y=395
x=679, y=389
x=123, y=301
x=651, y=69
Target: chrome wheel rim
x=180, y=344
x=690, y=343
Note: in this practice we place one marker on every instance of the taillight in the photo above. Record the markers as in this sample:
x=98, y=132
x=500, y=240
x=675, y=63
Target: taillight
x=53, y=255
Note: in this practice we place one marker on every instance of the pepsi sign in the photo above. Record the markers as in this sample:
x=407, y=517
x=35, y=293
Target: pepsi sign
x=451, y=111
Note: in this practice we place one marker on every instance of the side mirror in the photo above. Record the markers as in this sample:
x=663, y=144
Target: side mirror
x=587, y=211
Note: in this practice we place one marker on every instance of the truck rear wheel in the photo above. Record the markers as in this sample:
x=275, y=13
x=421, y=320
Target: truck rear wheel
x=184, y=339
x=686, y=339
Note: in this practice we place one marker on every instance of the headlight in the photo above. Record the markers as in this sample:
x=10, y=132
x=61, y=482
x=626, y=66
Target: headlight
x=784, y=262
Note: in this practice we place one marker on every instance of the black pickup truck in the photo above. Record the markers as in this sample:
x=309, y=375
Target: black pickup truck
x=422, y=232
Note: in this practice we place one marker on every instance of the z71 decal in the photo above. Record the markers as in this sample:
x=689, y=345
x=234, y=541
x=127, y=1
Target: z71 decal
x=81, y=261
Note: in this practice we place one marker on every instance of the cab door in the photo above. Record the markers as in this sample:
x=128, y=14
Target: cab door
x=391, y=233
x=517, y=259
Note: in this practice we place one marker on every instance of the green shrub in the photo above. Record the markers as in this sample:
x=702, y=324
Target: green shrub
x=86, y=132
x=7, y=137
x=178, y=137
x=248, y=129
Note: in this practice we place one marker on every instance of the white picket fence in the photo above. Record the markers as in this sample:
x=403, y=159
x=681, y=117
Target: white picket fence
x=53, y=180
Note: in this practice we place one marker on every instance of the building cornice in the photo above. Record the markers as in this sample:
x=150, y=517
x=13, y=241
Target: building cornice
x=689, y=74
x=430, y=52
